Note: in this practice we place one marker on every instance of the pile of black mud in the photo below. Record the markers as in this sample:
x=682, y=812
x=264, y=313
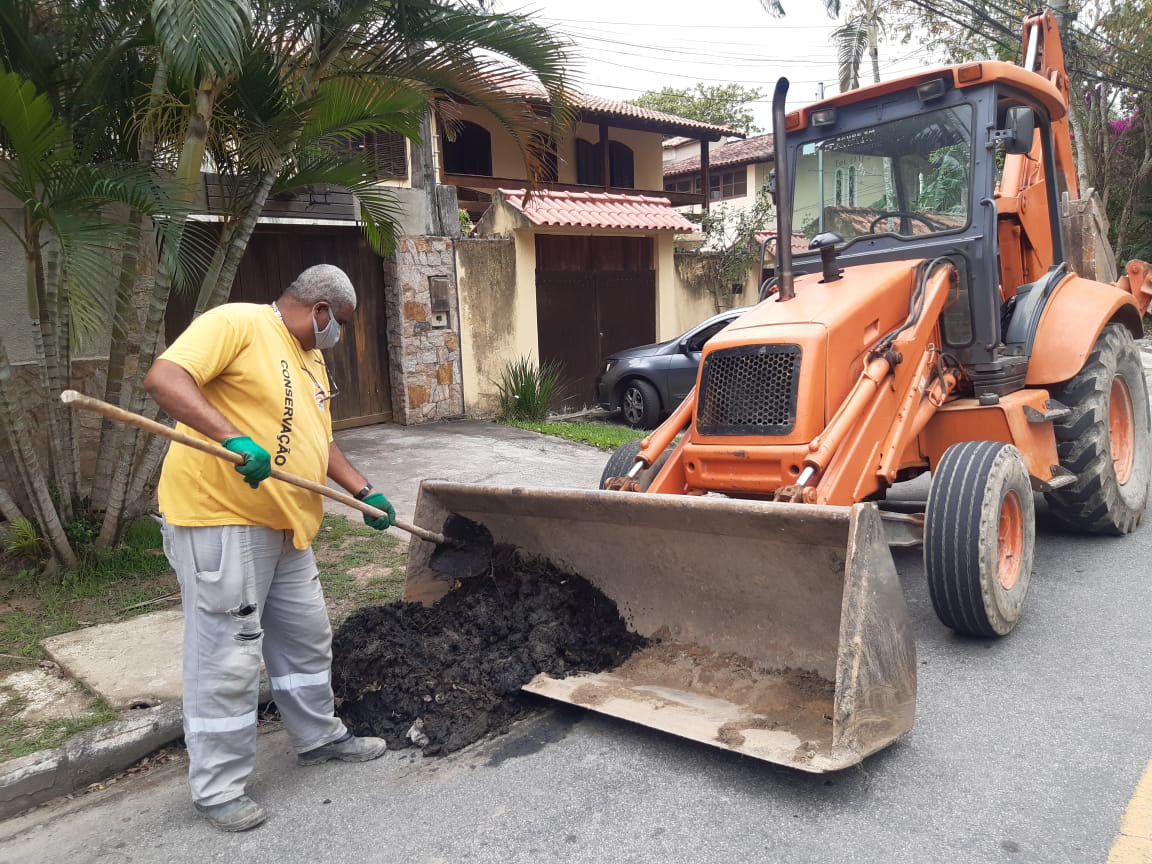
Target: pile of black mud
x=455, y=669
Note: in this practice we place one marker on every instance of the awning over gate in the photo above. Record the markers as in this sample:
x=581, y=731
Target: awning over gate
x=591, y=210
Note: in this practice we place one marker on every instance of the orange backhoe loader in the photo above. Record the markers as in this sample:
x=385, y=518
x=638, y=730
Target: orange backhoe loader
x=934, y=326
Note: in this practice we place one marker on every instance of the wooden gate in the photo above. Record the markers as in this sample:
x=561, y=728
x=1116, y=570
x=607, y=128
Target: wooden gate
x=358, y=365
x=594, y=296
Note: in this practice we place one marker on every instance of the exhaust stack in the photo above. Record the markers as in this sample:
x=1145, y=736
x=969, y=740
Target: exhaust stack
x=783, y=195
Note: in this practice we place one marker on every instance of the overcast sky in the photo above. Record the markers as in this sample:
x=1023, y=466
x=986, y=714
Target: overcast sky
x=629, y=46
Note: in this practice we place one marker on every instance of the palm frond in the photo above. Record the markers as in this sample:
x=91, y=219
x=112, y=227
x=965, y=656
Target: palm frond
x=851, y=40
x=32, y=139
x=358, y=106
x=201, y=38
x=773, y=8
x=380, y=210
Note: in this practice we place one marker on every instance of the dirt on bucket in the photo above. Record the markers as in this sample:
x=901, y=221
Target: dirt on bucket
x=444, y=676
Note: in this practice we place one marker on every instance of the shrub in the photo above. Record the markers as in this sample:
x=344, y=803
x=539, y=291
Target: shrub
x=24, y=541
x=527, y=388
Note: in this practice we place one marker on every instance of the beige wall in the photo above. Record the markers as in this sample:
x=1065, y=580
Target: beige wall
x=18, y=336
x=680, y=303
x=496, y=279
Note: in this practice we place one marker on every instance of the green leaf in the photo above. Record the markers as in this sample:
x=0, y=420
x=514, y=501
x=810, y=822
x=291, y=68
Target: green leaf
x=202, y=39
x=380, y=210
x=33, y=139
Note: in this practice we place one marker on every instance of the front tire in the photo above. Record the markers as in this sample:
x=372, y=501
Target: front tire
x=640, y=404
x=622, y=460
x=1105, y=440
x=979, y=537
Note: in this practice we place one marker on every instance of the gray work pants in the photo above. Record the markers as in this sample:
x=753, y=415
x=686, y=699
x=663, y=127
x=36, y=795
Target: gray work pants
x=248, y=591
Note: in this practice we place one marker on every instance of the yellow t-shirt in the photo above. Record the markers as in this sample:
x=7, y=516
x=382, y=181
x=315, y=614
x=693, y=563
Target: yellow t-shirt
x=255, y=373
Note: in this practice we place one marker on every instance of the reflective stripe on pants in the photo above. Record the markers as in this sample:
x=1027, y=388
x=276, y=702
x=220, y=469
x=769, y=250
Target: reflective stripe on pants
x=248, y=591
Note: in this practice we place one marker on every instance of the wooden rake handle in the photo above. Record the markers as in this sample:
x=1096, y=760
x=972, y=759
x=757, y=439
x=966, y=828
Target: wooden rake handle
x=113, y=412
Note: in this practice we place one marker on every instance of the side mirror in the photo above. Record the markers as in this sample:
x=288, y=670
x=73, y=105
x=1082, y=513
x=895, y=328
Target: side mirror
x=1020, y=130
x=683, y=346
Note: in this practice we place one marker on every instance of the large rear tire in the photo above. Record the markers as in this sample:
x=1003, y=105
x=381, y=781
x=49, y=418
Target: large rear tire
x=979, y=537
x=622, y=460
x=1105, y=440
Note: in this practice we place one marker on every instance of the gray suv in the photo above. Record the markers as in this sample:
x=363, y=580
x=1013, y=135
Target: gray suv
x=650, y=380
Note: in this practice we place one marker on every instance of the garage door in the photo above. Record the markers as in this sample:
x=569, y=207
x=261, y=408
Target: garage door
x=594, y=296
x=359, y=363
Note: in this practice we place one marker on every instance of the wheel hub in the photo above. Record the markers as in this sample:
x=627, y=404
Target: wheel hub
x=633, y=404
x=1010, y=541
x=1121, y=429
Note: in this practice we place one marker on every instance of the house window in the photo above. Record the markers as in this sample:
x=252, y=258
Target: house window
x=852, y=186
x=590, y=164
x=470, y=153
x=688, y=183
x=386, y=152
x=839, y=187
x=728, y=184
x=621, y=165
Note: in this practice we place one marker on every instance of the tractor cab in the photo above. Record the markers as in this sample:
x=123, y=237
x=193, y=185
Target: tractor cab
x=935, y=166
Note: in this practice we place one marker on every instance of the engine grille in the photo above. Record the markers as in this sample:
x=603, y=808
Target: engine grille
x=750, y=390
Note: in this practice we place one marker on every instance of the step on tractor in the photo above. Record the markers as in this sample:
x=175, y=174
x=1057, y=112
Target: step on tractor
x=933, y=327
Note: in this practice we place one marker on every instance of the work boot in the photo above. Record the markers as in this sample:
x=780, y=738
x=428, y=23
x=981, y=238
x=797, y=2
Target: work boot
x=239, y=814
x=346, y=749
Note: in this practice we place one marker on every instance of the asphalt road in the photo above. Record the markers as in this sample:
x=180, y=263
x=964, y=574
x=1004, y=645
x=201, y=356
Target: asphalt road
x=1026, y=749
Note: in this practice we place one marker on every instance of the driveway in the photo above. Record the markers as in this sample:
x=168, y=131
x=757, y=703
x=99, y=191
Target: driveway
x=397, y=458
x=1026, y=749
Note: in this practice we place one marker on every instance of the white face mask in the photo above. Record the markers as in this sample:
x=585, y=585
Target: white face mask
x=330, y=335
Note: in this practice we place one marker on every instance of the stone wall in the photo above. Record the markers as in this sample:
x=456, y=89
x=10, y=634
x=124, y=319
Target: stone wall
x=423, y=352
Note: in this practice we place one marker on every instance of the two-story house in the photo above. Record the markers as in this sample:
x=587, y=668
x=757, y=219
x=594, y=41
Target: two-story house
x=578, y=269
x=583, y=266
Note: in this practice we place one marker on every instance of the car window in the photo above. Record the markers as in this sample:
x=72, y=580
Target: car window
x=696, y=340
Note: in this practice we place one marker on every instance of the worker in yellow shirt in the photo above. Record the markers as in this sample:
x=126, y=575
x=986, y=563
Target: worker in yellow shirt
x=252, y=378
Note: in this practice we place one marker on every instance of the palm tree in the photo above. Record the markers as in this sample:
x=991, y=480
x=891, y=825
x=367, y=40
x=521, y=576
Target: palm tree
x=131, y=97
x=860, y=31
x=314, y=72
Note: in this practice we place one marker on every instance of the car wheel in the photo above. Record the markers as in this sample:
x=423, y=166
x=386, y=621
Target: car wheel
x=640, y=404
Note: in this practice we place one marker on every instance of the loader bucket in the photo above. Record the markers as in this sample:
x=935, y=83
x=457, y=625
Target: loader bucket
x=780, y=629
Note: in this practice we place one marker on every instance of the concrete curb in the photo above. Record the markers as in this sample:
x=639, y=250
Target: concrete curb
x=86, y=758
x=93, y=755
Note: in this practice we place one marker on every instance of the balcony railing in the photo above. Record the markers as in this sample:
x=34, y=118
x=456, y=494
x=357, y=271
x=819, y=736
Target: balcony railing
x=474, y=181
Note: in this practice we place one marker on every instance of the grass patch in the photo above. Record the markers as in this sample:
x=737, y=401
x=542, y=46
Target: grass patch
x=359, y=566
x=605, y=436
x=37, y=604
x=19, y=738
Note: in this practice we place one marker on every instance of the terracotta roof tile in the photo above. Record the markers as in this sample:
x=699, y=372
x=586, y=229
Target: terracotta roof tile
x=799, y=241
x=598, y=210
x=586, y=102
x=758, y=149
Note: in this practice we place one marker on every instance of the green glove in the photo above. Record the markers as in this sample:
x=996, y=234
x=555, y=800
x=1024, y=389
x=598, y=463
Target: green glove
x=257, y=464
x=378, y=501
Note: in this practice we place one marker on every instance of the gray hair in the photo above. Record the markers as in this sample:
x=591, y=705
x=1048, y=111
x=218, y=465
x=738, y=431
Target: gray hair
x=323, y=283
